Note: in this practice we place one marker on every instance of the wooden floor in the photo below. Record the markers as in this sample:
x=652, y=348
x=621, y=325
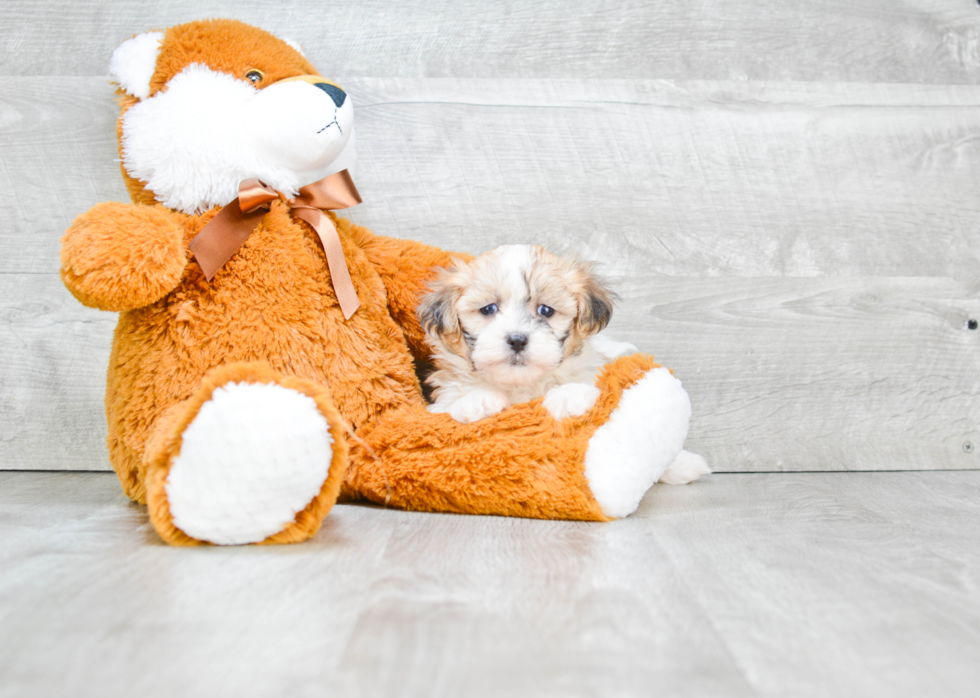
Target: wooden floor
x=805, y=584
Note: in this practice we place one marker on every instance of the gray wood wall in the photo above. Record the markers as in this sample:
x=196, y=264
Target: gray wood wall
x=784, y=192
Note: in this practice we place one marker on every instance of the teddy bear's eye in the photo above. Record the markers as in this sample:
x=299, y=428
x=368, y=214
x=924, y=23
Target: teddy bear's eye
x=254, y=76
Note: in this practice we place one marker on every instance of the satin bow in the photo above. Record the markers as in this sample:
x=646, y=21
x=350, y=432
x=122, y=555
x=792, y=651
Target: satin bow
x=230, y=228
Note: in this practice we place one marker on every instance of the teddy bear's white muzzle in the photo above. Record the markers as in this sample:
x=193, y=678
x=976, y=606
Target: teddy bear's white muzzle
x=300, y=127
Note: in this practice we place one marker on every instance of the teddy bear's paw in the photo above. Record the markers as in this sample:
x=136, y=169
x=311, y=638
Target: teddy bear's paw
x=642, y=437
x=478, y=404
x=570, y=400
x=254, y=456
x=687, y=467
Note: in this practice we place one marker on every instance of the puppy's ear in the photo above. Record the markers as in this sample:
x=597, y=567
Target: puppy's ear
x=437, y=309
x=595, y=304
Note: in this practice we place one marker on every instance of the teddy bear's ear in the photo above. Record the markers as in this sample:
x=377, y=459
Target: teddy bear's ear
x=294, y=45
x=133, y=63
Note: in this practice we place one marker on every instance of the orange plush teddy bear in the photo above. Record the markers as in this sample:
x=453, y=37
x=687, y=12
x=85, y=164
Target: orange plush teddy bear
x=264, y=361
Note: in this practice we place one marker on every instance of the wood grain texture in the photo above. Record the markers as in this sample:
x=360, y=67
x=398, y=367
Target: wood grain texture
x=52, y=377
x=915, y=41
x=681, y=179
x=57, y=159
x=739, y=585
x=830, y=585
x=818, y=374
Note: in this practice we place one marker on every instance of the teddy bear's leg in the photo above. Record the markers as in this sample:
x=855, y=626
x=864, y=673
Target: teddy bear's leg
x=251, y=457
x=523, y=462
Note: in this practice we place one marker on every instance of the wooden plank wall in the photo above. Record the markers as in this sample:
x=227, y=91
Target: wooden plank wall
x=784, y=192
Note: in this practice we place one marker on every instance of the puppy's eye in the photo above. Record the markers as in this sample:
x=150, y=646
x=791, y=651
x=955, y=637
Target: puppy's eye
x=488, y=309
x=545, y=311
x=254, y=76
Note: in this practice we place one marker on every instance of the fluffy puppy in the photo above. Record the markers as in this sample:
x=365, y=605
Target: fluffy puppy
x=515, y=324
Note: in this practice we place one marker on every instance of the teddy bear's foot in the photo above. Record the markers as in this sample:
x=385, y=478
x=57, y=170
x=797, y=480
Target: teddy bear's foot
x=642, y=437
x=253, y=457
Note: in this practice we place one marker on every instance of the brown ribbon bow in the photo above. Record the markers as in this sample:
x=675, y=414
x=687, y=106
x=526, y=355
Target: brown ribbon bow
x=229, y=229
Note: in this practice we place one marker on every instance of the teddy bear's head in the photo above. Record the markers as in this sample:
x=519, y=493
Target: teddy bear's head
x=208, y=104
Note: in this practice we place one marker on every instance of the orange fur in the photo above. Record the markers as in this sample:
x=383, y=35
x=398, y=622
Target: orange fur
x=270, y=315
x=119, y=257
x=273, y=301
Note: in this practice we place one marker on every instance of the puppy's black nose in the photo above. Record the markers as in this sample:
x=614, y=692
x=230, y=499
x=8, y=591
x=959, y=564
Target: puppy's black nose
x=517, y=342
x=336, y=94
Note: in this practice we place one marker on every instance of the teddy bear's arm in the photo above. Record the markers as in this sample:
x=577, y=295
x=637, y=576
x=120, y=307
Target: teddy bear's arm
x=406, y=267
x=123, y=256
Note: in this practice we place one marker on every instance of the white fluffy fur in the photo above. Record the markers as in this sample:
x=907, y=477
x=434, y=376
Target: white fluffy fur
x=253, y=457
x=687, y=467
x=134, y=61
x=483, y=375
x=643, y=436
x=570, y=400
x=192, y=143
x=295, y=45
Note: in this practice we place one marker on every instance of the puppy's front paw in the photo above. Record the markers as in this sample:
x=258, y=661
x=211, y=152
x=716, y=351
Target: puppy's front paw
x=570, y=400
x=478, y=405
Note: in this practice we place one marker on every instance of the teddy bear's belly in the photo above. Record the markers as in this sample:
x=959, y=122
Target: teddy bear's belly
x=286, y=316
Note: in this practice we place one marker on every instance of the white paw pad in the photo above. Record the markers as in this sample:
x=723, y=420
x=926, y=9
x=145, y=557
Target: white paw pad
x=570, y=400
x=255, y=455
x=643, y=436
x=478, y=405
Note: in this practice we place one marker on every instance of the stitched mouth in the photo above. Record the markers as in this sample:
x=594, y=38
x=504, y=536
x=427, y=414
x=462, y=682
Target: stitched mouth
x=332, y=123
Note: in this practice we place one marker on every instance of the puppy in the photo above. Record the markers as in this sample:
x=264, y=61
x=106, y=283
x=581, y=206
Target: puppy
x=517, y=323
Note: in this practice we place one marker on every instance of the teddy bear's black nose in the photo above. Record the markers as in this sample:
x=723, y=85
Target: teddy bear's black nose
x=336, y=94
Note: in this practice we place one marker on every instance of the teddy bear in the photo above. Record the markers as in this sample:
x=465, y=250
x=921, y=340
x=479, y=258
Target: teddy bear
x=264, y=362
